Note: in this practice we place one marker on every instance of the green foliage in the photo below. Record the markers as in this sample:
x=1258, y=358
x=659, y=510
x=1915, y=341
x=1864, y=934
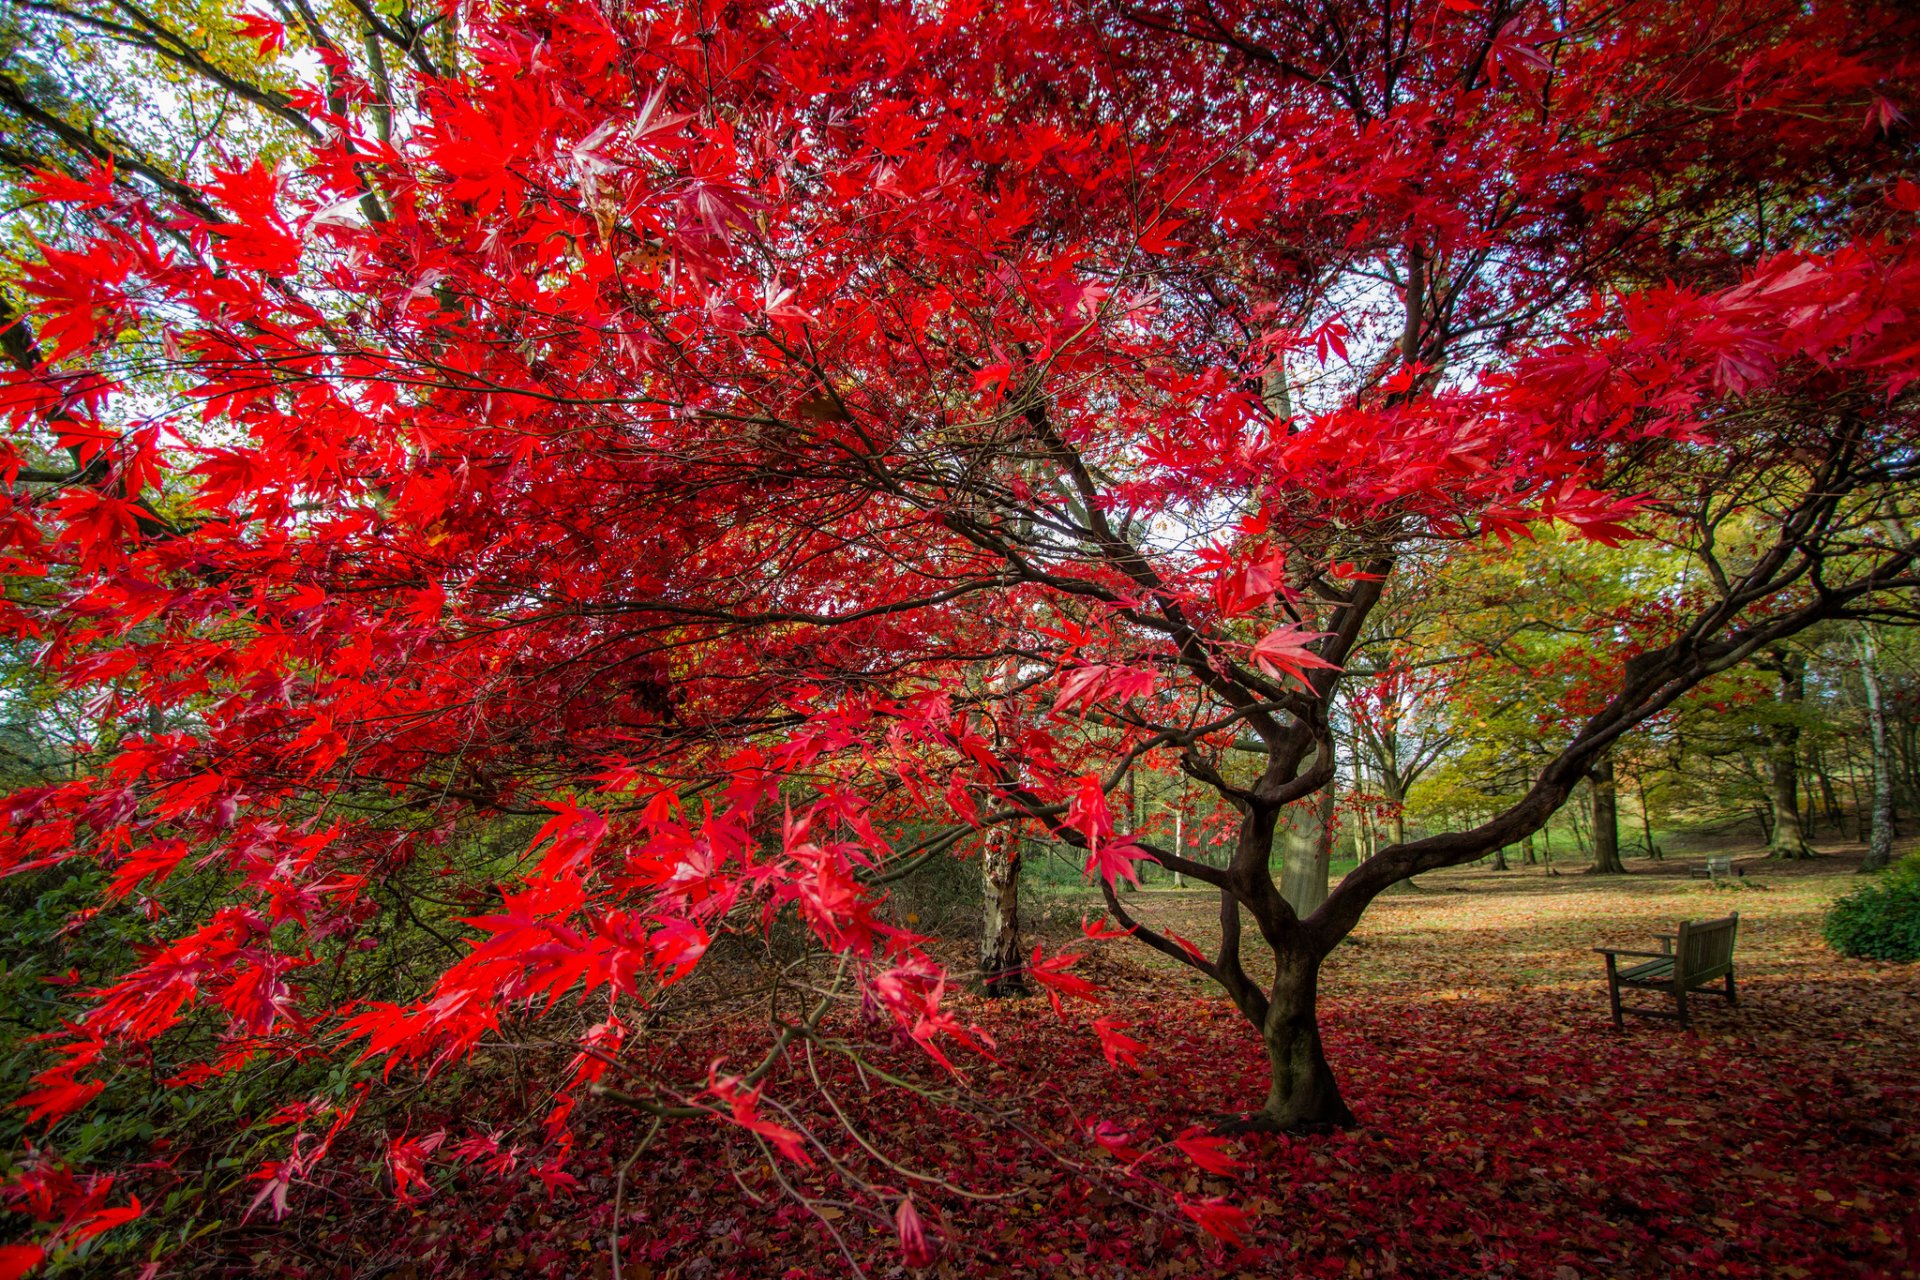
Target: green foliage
x=1881, y=920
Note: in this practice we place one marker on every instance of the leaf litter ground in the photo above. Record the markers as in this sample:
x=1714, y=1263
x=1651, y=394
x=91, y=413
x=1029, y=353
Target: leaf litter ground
x=1507, y=1130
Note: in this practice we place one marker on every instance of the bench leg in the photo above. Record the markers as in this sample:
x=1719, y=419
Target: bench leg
x=1680, y=999
x=1731, y=997
x=1613, y=994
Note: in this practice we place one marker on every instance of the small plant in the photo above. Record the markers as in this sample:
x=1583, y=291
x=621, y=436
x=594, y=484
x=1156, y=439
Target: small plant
x=1881, y=920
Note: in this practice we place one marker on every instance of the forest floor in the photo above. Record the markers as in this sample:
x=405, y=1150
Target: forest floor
x=1506, y=1128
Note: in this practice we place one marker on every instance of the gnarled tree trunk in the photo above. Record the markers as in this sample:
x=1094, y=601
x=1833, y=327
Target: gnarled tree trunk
x=1302, y=1094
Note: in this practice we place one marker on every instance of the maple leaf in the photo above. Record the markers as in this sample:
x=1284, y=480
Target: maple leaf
x=406, y=1161
x=1198, y=956
x=743, y=1103
x=1051, y=973
x=1097, y=929
x=575, y=833
x=1115, y=1141
x=17, y=1260
x=1083, y=686
x=269, y=36
x=1114, y=859
x=1209, y=1152
x=916, y=1248
x=276, y=1177
x=95, y=191
x=1225, y=1222
x=1119, y=1047
x=1285, y=649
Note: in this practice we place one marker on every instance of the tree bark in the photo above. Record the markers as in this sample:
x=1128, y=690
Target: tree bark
x=1306, y=853
x=1605, y=797
x=1788, y=839
x=1880, y=834
x=1002, y=970
x=1302, y=1095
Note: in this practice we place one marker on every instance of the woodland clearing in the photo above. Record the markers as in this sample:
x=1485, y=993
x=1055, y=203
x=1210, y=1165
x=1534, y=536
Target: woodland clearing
x=1506, y=1130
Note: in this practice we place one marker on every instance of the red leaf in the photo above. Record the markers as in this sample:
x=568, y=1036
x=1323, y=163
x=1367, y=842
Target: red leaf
x=1210, y=1153
x=1224, y=1222
x=1096, y=928
x=270, y=36
x=16, y=1260
x=1119, y=1047
x=916, y=1249
x=1053, y=976
x=1285, y=649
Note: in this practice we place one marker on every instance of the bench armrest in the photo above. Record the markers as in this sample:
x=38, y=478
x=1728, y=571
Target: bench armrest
x=1650, y=955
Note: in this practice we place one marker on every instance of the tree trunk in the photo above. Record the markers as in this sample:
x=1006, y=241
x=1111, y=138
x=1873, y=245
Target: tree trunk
x=1646, y=815
x=1306, y=853
x=1302, y=1094
x=1829, y=796
x=1788, y=839
x=1527, y=854
x=1580, y=819
x=1396, y=794
x=1500, y=858
x=1001, y=968
x=1606, y=817
x=1880, y=834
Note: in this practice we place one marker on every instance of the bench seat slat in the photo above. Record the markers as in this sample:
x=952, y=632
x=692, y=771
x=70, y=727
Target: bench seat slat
x=1661, y=969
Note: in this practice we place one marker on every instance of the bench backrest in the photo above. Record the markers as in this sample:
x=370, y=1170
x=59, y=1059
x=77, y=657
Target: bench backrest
x=1705, y=949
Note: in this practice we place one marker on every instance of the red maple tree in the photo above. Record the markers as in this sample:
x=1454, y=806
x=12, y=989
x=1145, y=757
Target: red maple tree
x=775, y=444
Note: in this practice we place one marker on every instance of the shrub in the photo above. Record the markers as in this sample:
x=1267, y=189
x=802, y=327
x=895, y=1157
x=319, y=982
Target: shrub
x=1881, y=920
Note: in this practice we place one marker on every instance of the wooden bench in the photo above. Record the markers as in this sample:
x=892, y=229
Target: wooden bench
x=1700, y=953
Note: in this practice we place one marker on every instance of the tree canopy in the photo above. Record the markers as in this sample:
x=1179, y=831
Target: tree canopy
x=763, y=447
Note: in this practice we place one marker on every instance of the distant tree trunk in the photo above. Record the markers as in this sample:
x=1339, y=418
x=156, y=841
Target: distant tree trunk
x=1179, y=847
x=1002, y=969
x=1500, y=858
x=1580, y=818
x=1306, y=853
x=1880, y=837
x=1606, y=817
x=1646, y=815
x=1909, y=760
x=1526, y=850
x=1133, y=812
x=1829, y=798
x=1396, y=793
x=1789, y=838
x=1853, y=790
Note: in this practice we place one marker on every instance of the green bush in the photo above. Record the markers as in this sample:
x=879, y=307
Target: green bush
x=1881, y=920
